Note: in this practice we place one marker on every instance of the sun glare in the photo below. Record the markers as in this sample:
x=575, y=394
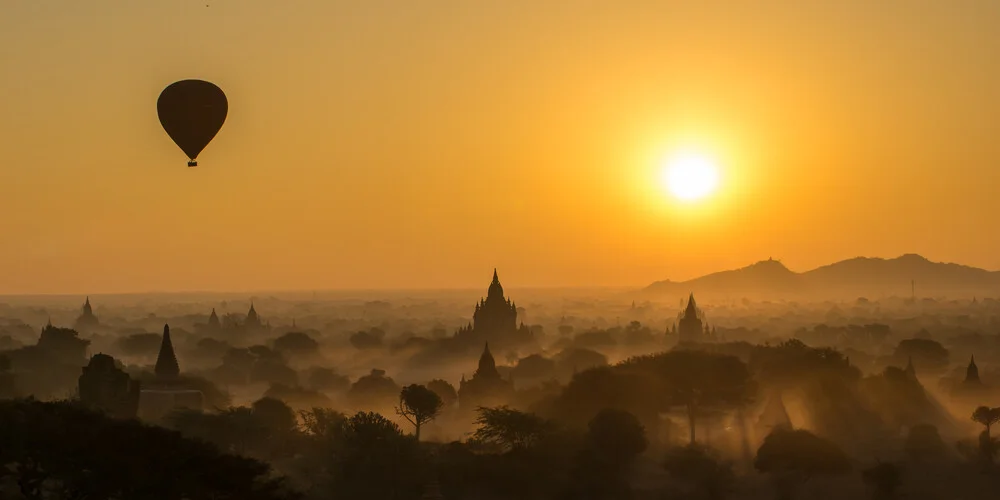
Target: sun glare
x=690, y=176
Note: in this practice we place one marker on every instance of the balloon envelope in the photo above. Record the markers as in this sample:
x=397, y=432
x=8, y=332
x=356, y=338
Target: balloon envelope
x=192, y=112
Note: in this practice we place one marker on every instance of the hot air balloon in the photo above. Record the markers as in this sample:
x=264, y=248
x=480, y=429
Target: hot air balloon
x=192, y=112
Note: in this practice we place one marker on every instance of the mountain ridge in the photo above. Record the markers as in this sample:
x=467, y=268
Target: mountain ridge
x=855, y=276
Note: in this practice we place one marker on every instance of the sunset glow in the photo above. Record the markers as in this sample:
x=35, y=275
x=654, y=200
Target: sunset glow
x=356, y=129
x=691, y=176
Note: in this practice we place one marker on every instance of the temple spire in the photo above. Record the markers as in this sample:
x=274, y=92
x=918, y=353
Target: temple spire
x=166, y=361
x=972, y=372
x=692, y=308
x=487, y=365
x=213, y=320
x=496, y=290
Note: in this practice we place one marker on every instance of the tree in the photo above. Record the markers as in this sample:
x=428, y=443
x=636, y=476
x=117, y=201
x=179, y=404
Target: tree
x=369, y=457
x=595, y=389
x=923, y=442
x=792, y=457
x=884, y=479
x=140, y=344
x=792, y=362
x=418, y=405
x=8, y=381
x=367, y=340
x=444, y=390
x=986, y=416
x=274, y=415
x=296, y=343
x=698, y=381
x=62, y=450
x=701, y=469
x=373, y=390
x=322, y=423
x=273, y=369
x=533, y=368
x=327, y=380
x=510, y=429
x=617, y=436
x=574, y=359
x=365, y=429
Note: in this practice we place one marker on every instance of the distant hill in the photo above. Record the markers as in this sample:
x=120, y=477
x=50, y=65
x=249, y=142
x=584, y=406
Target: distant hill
x=858, y=277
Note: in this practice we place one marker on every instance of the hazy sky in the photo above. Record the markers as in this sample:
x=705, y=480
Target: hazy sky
x=423, y=143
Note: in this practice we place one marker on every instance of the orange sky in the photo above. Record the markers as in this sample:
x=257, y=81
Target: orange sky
x=383, y=144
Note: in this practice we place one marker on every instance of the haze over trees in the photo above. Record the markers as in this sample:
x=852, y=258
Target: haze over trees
x=880, y=398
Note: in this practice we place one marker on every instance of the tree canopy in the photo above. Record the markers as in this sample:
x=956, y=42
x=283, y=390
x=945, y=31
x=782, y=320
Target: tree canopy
x=78, y=453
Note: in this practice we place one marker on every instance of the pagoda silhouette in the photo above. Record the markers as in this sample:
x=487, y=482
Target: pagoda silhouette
x=494, y=320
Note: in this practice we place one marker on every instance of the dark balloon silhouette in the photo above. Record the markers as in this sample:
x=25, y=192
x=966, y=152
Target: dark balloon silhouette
x=192, y=112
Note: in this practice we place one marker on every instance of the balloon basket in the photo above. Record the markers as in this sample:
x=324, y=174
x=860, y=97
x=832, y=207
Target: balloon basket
x=192, y=164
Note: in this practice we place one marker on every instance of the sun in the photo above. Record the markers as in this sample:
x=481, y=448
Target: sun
x=690, y=176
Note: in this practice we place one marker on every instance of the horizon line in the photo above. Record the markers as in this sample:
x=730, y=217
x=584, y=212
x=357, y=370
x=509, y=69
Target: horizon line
x=311, y=290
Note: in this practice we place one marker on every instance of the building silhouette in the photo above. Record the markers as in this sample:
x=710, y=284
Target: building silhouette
x=166, y=361
x=691, y=325
x=234, y=324
x=106, y=387
x=495, y=320
x=972, y=374
x=253, y=320
x=87, y=321
x=486, y=387
x=167, y=391
x=213, y=321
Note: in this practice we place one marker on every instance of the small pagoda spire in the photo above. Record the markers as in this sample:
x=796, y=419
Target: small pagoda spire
x=910, y=369
x=213, y=319
x=166, y=361
x=972, y=372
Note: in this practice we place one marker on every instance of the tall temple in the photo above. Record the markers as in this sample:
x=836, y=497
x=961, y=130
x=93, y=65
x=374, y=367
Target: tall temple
x=495, y=319
x=86, y=321
x=972, y=374
x=166, y=361
x=213, y=321
x=486, y=387
x=253, y=320
x=167, y=391
x=691, y=328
